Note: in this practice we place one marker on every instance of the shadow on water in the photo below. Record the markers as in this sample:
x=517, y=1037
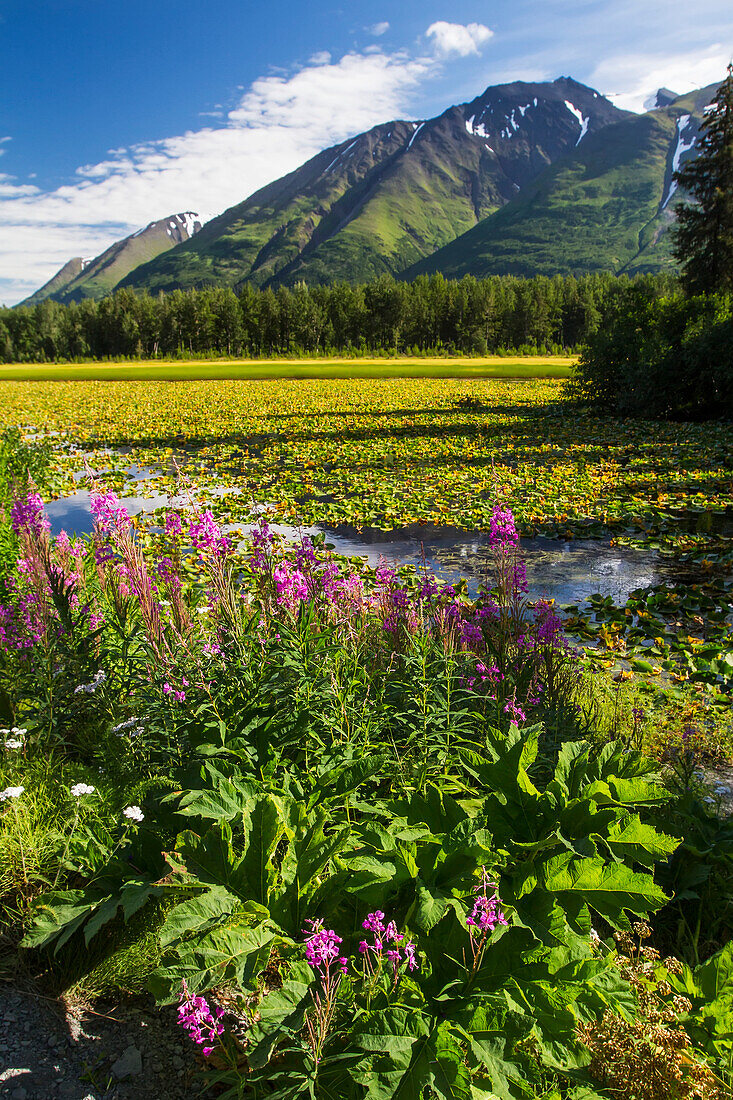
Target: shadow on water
x=566, y=571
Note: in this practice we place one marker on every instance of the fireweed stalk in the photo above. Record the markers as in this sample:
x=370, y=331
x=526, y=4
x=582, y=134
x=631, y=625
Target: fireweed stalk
x=322, y=953
x=384, y=951
x=486, y=915
x=203, y=1026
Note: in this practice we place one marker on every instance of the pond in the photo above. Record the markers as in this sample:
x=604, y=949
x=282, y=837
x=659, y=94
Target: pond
x=566, y=571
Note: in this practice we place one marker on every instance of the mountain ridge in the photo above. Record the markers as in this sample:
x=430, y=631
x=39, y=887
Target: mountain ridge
x=526, y=178
x=605, y=207
x=388, y=197
x=93, y=278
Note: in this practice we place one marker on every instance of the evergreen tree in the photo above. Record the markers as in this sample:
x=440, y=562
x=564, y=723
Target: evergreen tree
x=703, y=242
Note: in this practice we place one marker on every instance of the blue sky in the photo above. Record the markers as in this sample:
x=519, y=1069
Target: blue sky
x=113, y=114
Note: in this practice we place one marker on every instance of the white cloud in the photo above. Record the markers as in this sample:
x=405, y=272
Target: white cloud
x=458, y=39
x=280, y=121
x=378, y=29
x=629, y=79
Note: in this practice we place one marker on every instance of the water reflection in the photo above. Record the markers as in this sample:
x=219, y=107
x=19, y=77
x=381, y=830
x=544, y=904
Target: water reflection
x=564, y=571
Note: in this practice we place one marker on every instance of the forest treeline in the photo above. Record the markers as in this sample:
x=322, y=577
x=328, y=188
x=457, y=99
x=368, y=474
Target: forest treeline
x=430, y=314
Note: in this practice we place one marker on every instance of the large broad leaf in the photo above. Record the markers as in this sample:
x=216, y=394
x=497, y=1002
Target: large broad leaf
x=550, y=1003
x=222, y=799
x=60, y=914
x=608, y=889
x=341, y=780
x=630, y=838
x=133, y=895
x=263, y=826
x=410, y=1051
x=211, y=860
x=199, y=913
x=280, y=1013
x=57, y=916
x=492, y=1031
x=236, y=952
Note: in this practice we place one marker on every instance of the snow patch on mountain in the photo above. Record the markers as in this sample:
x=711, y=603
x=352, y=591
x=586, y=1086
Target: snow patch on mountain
x=181, y=227
x=476, y=129
x=581, y=119
x=682, y=147
x=417, y=131
x=190, y=222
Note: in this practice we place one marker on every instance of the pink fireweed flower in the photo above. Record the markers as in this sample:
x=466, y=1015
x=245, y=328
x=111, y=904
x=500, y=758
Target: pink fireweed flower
x=261, y=542
x=516, y=712
x=173, y=525
x=502, y=528
x=290, y=585
x=205, y=534
x=487, y=910
x=548, y=625
x=520, y=585
x=109, y=513
x=374, y=922
x=374, y=952
x=410, y=957
x=384, y=574
x=322, y=949
x=29, y=515
x=195, y=1017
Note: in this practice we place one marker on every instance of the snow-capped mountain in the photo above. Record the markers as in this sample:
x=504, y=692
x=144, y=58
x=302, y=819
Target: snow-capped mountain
x=93, y=278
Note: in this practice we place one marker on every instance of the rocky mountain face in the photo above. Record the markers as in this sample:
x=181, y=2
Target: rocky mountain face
x=528, y=179
x=79, y=279
x=605, y=207
x=389, y=197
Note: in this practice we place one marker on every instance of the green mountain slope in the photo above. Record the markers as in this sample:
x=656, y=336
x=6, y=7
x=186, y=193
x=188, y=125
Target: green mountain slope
x=58, y=282
x=79, y=279
x=604, y=207
x=389, y=197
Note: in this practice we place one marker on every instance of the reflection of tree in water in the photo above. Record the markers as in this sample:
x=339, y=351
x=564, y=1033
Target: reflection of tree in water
x=564, y=571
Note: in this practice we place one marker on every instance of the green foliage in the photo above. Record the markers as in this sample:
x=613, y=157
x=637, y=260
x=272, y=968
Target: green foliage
x=703, y=238
x=597, y=209
x=242, y=887
x=383, y=317
x=665, y=357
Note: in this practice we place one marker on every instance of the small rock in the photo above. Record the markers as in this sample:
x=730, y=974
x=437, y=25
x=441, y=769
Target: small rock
x=129, y=1064
x=177, y=1062
x=19, y=1093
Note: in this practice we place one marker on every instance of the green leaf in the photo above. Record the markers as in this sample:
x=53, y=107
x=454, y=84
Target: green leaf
x=608, y=889
x=263, y=825
x=198, y=913
x=282, y=1011
x=631, y=838
x=229, y=953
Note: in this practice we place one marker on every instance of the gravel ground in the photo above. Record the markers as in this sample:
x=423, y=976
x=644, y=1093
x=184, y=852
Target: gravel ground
x=126, y=1052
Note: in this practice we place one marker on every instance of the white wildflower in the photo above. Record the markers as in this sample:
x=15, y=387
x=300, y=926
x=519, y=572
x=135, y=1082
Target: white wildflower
x=134, y=813
x=11, y=792
x=82, y=788
x=89, y=689
x=125, y=725
x=14, y=743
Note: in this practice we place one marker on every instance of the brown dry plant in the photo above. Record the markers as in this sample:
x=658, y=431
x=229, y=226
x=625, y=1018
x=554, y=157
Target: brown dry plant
x=650, y=1057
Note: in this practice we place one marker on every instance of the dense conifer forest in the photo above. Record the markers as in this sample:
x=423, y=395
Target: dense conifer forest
x=430, y=314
